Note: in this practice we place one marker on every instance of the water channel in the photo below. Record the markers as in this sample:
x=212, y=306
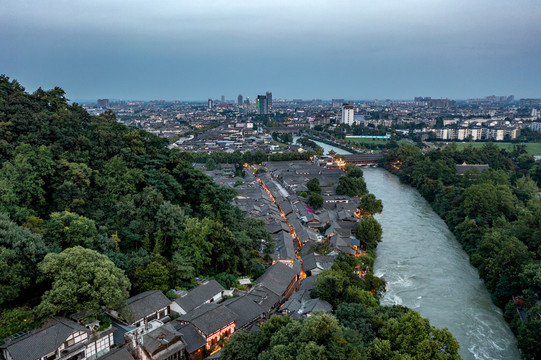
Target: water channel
x=426, y=269
x=326, y=147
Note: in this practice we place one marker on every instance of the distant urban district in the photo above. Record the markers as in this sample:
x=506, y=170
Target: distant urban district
x=170, y=230
x=493, y=118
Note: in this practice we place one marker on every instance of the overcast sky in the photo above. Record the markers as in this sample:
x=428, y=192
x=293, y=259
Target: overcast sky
x=199, y=49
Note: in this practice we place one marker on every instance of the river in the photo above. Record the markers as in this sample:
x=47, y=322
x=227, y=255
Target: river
x=326, y=147
x=426, y=270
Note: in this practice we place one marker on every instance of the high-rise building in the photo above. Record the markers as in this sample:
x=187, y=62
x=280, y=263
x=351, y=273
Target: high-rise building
x=262, y=105
x=210, y=104
x=223, y=99
x=103, y=103
x=348, y=114
x=337, y=102
x=269, y=100
x=239, y=100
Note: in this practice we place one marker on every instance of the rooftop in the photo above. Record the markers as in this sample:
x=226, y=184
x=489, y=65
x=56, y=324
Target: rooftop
x=147, y=303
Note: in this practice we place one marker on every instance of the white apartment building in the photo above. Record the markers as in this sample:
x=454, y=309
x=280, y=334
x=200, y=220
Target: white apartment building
x=348, y=115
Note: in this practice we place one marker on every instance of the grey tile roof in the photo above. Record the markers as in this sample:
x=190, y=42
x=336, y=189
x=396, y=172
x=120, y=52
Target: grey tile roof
x=285, y=248
x=162, y=341
x=42, y=341
x=286, y=207
x=263, y=297
x=276, y=226
x=301, y=304
x=307, y=248
x=147, y=303
x=277, y=278
x=199, y=295
x=308, y=283
x=191, y=337
x=309, y=262
x=246, y=310
x=209, y=318
x=118, y=354
x=316, y=305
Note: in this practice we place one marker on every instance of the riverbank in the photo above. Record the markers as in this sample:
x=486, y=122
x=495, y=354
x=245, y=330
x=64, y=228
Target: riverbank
x=327, y=145
x=496, y=217
x=426, y=270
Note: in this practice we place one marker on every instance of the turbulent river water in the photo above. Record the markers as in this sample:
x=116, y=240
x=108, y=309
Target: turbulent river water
x=426, y=270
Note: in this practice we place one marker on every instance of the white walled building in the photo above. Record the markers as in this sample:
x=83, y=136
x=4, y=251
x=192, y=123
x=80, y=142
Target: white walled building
x=348, y=114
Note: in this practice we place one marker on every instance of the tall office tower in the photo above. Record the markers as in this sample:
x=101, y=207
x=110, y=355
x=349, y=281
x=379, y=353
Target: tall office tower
x=239, y=100
x=223, y=99
x=269, y=100
x=262, y=105
x=347, y=114
x=247, y=101
x=210, y=104
x=103, y=103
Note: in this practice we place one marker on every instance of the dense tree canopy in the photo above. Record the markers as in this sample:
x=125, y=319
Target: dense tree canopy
x=381, y=333
x=82, y=279
x=20, y=252
x=369, y=205
x=69, y=180
x=315, y=200
x=495, y=214
x=351, y=186
x=313, y=185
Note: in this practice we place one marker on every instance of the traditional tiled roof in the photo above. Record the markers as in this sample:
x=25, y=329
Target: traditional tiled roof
x=147, y=303
x=263, y=297
x=301, y=304
x=210, y=318
x=162, y=340
x=199, y=295
x=191, y=337
x=118, y=354
x=285, y=249
x=42, y=341
x=246, y=310
x=309, y=262
x=277, y=278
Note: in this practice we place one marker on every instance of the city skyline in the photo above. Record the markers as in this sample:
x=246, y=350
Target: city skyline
x=308, y=50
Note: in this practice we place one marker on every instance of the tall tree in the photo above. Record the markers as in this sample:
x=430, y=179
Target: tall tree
x=82, y=279
x=369, y=205
x=369, y=232
x=313, y=185
x=23, y=182
x=20, y=252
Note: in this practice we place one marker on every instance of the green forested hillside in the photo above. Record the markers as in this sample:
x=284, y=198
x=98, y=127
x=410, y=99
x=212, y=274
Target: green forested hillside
x=92, y=211
x=87, y=187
